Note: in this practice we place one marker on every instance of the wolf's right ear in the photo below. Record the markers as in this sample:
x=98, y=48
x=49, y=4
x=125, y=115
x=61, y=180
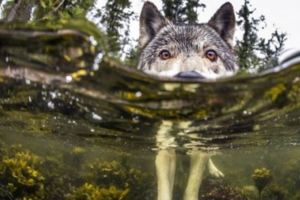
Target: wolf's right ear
x=151, y=21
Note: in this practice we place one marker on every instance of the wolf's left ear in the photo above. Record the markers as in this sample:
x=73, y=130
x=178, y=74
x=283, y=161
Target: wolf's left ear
x=151, y=21
x=223, y=22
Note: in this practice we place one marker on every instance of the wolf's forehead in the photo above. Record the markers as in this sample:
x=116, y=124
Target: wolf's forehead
x=187, y=35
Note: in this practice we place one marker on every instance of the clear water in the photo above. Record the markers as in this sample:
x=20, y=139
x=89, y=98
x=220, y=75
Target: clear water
x=76, y=126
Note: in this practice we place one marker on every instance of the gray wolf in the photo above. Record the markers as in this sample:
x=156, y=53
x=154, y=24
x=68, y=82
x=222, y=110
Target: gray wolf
x=186, y=51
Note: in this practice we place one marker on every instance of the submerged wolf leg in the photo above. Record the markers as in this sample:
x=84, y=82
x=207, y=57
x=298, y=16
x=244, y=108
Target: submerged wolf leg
x=213, y=170
x=198, y=160
x=165, y=169
x=165, y=160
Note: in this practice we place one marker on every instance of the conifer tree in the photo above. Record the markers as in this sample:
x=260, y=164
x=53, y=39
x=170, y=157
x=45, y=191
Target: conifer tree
x=115, y=19
x=182, y=11
x=253, y=51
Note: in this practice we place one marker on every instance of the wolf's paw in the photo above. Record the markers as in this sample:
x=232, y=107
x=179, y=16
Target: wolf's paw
x=213, y=170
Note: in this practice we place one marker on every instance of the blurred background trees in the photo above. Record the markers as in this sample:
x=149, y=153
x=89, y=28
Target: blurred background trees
x=182, y=11
x=114, y=18
x=252, y=50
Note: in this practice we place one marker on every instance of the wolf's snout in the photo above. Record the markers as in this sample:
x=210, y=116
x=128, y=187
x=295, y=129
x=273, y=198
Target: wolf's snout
x=189, y=74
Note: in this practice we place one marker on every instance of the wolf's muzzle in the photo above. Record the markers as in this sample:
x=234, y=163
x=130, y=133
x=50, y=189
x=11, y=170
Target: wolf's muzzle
x=189, y=74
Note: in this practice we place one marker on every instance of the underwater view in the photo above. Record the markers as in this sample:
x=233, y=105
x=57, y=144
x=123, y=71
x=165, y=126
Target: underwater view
x=77, y=124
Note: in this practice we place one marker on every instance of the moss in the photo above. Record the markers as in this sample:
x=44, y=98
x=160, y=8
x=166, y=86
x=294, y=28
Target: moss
x=90, y=191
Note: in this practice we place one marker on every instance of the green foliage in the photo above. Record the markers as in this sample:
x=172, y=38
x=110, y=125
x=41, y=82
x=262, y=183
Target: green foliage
x=253, y=51
x=172, y=9
x=191, y=8
x=53, y=9
x=182, y=11
x=272, y=47
x=21, y=10
x=132, y=57
x=115, y=17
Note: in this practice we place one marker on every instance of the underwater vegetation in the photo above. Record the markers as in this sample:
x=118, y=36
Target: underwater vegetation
x=89, y=192
x=21, y=175
x=261, y=177
x=216, y=189
x=28, y=176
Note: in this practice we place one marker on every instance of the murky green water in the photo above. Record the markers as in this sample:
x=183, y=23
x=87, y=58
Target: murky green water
x=76, y=126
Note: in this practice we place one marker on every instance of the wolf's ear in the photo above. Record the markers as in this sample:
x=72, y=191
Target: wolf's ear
x=151, y=21
x=223, y=22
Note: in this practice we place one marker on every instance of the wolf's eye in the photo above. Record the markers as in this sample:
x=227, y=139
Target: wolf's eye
x=164, y=54
x=211, y=55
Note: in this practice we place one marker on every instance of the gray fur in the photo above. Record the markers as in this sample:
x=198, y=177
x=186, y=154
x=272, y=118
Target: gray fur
x=187, y=43
x=223, y=22
x=151, y=21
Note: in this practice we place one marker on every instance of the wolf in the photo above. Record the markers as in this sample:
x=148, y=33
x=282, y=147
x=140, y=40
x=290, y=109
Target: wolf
x=186, y=51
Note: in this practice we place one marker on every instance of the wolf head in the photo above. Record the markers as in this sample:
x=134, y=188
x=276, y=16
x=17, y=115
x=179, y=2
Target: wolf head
x=187, y=50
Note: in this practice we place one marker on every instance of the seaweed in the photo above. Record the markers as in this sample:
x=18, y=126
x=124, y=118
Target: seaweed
x=261, y=177
x=26, y=175
x=90, y=192
x=21, y=174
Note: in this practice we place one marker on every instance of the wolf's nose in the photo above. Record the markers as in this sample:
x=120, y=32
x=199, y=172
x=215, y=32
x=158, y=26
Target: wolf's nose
x=189, y=74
